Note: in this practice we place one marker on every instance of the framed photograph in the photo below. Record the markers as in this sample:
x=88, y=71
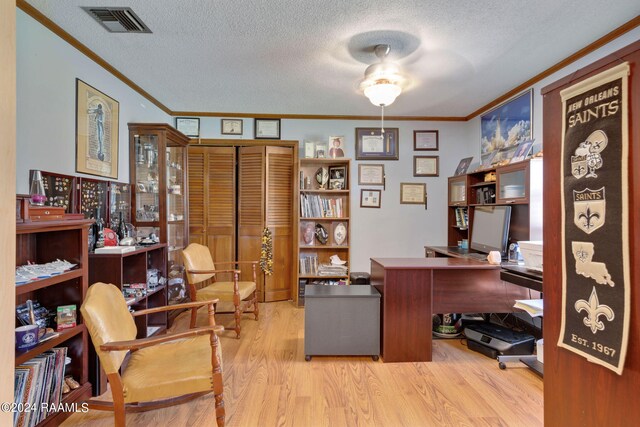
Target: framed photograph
x=371, y=174
x=309, y=149
x=267, y=128
x=370, y=198
x=190, y=126
x=413, y=193
x=463, y=166
x=321, y=150
x=522, y=152
x=97, y=117
x=425, y=165
x=336, y=147
x=425, y=140
x=508, y=124
x=231, y=126
x=372, y=145
x=337, y=175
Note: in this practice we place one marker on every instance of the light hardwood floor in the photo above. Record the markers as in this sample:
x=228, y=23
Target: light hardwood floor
x=268, y=383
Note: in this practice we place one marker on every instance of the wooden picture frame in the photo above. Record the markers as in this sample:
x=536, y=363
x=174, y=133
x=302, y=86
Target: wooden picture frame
x=266, y=128
x=371, y=174
x=372, y=145
x=426, y=166
x=97, y=129
x=425, y=140
x=189, y=126
x=370, y=198
x=413, y=193
x=231, y=126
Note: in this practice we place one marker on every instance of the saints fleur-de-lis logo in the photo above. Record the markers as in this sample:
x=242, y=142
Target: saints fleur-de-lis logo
x=582, y=255
x=589, y=217
x=594, y=310
x=579, y=170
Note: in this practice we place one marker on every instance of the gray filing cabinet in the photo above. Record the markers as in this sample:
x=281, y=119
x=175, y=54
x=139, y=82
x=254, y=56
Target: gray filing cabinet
x=341, y=320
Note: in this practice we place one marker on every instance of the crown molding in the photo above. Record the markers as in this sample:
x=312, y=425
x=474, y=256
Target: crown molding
x=46, y=22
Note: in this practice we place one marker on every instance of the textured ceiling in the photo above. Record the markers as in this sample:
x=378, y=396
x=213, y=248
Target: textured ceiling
x=307, y=57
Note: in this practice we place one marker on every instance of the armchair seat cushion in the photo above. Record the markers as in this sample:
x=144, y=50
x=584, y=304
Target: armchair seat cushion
x=224, y=291
x=170, y=369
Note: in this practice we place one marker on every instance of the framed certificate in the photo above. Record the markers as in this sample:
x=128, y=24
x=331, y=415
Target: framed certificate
x=190, y=126
x=413, y=193
x=267, y=128
x=371, y=174
x=231, y=126
x=425, y=165
x=425, y=140
x=372, y=144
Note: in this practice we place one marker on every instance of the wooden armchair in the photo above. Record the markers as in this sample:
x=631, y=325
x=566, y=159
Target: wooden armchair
x=155, y=374
x=200, y=269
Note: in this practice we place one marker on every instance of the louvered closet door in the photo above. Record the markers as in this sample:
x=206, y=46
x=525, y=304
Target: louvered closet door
x=212, y=201
x=279, y=219
x=251, y=209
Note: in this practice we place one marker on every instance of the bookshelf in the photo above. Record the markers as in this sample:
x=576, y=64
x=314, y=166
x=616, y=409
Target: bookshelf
x=518, y=185
x=323, y=222
x=41, y=242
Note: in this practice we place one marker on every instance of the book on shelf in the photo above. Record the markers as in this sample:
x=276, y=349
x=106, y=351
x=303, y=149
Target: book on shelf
x=115, y=249
x=316, y=206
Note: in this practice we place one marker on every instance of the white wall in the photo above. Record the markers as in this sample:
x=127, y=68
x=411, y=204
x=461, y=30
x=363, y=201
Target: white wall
x=394, y=230
x=47, y=68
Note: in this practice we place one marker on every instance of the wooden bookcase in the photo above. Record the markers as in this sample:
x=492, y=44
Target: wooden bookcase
x=518, y=185
x=336, y=212
x=131, y=267
x=43, y=242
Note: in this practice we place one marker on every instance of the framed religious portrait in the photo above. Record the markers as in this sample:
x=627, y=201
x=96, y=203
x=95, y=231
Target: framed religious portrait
x=372, y=144
x=190, y=126
x=413, y=193
x=371, y=174
x=97, y=118
x=267, y=128
x=425, y=166
x=231, y=126
x=370, y=198
x=425, y=140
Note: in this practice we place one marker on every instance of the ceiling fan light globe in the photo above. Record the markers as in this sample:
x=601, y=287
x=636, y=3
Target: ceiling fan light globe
x=382, y=93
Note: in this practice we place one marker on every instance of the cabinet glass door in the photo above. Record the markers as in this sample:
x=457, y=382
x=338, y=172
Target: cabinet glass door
x=119, y=202
x=175, y=202
x=458, y=191
x=147, y=184
x=512, y=184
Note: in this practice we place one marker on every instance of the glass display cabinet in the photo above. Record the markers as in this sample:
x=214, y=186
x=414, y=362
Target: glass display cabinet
x=158, y=195
x=59, y=189
x=92, y=198
x=119, y=202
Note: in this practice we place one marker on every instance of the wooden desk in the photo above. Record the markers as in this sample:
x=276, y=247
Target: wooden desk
x=413, y=289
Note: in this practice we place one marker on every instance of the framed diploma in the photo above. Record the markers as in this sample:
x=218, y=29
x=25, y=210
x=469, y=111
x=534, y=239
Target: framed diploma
x=372, y=144
x=371, y=174
x=425, y=140
x=267, y=129
x=425, y=165
x=413, y=193
x=188, y=126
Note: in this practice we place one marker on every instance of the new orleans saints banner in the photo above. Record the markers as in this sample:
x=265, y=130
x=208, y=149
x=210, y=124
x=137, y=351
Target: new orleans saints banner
x=595, y=253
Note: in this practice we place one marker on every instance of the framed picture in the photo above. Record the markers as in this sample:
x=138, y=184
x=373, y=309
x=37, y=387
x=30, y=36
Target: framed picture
x=508, y=124
x=321, y=150
x=190, y=126
x=267, y=128
x=337, y=175
x=231, y=126
x=371, y=174
x=463, y=166
x=522, y=152
x=309, y=149
x=425, y=140
x=425, y=165
x=372, y=145
x=370, y=198
x=336, y=147
x=97, y=117
x=413, y=193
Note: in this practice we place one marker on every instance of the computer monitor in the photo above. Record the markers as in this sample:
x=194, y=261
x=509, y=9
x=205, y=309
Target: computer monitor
x=490, y=229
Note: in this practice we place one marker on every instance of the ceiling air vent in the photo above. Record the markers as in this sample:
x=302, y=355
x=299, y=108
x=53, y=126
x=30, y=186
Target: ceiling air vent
x=118, y=19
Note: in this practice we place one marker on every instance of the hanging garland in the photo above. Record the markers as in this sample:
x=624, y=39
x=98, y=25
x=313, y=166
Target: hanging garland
x=266, y=253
